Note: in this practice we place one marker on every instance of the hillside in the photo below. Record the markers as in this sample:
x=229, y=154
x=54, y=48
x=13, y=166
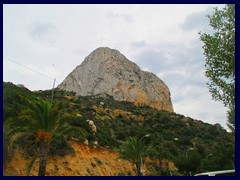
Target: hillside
x=192, y=145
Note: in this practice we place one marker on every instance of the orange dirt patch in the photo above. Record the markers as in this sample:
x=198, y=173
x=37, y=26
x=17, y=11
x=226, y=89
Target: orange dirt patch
x=86, y=161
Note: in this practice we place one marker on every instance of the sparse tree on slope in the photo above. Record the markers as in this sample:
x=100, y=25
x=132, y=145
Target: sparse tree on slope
x=135, y=151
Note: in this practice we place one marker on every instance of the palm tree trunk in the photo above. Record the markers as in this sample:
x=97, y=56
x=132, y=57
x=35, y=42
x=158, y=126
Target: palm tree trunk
x=43, y=154
x=138, y=166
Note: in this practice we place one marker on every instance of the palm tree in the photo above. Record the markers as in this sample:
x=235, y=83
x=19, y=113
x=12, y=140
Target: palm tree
x=135, y=151
x=42, y=120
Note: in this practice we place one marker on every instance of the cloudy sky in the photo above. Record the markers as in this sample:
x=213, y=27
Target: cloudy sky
x=163, y=39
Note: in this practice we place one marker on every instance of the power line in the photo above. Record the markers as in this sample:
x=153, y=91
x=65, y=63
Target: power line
x=28, y=68
x=54, y=80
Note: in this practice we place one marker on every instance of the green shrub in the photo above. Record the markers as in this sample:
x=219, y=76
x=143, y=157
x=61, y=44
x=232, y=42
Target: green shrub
x=60, y=147
x=93, y=164
x=97, y=160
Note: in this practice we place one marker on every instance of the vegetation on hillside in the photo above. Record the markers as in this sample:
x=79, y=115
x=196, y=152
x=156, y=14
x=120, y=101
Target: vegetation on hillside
x=180, y=145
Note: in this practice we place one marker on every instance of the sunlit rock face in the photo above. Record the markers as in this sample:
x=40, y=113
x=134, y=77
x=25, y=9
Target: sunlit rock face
x=107, y=71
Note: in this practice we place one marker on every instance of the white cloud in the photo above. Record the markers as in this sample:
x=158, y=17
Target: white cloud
x=119, y=17
x=43, y=32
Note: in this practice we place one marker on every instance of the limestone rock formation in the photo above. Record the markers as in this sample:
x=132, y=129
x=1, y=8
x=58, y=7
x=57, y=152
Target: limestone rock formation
x=107, y=71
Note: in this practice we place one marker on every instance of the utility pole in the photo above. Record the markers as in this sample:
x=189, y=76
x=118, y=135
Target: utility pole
x=141, y=167
x=53, y=87
x=53, y=90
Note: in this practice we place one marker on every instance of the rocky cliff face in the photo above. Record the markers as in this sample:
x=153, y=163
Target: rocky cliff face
x=107, y=71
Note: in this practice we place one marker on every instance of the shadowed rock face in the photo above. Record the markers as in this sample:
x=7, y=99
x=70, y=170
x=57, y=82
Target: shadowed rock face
x=107, y=71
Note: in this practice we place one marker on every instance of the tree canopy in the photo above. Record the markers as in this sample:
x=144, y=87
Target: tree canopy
x=219, y=50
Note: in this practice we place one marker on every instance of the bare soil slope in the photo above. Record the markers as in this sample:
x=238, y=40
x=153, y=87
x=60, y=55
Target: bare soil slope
x=86, y=161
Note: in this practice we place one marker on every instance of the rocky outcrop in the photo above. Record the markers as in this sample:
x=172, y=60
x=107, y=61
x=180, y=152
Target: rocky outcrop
x=92, y=125
x=107, y=71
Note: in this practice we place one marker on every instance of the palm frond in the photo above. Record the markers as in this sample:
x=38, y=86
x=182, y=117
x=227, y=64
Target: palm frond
x=30, y=165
